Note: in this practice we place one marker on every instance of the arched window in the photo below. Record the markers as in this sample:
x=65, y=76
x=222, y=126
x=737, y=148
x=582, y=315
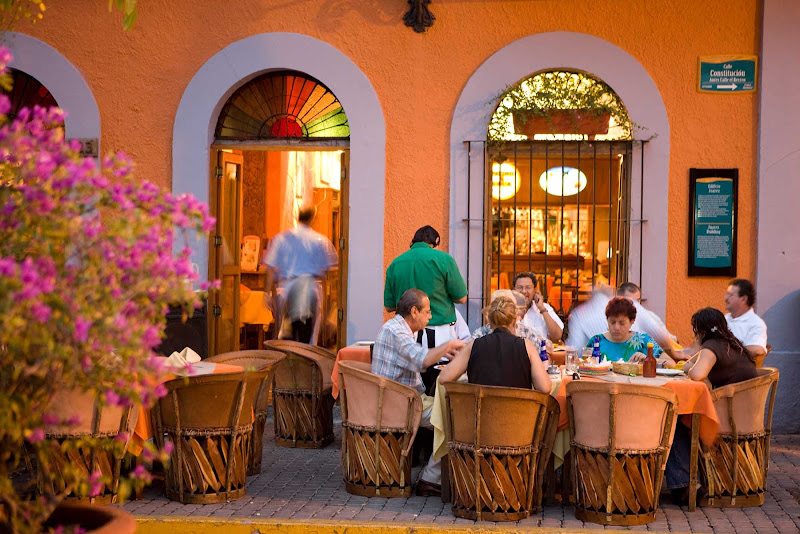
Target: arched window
x=281, y=105
x=556, y=105
x=27, y=92
x=558, y=174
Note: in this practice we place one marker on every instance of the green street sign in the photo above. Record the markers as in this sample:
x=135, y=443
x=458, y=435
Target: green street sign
x=727, y=74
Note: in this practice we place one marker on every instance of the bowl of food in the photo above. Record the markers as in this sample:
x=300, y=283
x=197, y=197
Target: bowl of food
x=591, y=367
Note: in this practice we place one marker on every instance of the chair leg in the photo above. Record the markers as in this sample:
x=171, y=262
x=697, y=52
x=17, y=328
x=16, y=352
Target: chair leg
x=446, y=478
x=693, y=462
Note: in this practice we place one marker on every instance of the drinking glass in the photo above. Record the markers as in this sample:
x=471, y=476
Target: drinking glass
x=571, y=359
x=587, y=353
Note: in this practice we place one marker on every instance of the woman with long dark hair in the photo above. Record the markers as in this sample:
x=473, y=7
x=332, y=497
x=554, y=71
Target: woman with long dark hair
x=722, y=360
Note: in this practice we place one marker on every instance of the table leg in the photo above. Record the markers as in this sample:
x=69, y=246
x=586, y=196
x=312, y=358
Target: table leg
x=550, y=481
x=446, y=478
x=694, y=461
x=566, y=480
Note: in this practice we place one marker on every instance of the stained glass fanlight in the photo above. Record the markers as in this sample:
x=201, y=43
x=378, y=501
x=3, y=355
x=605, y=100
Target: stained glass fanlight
x=27, y=92
x=280, y=105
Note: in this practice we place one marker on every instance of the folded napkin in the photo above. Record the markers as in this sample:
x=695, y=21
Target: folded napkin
x=183, y=358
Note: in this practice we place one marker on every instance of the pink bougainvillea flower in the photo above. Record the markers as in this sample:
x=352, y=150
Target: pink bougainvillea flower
x=73, y=420
x=35, y=436
x=95, y=484
x=41, y=312
x=50, y=419
x=112, y=397
x=81, y=329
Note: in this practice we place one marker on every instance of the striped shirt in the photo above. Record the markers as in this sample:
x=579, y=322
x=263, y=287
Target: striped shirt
x=397, y=355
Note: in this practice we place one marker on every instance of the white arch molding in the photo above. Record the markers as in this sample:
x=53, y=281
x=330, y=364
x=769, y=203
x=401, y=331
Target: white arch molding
x=623, y=73
x=62, y=79
x=243, y=60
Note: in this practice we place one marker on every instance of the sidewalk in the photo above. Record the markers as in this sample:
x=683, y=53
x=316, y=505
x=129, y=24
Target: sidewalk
x=304, y=485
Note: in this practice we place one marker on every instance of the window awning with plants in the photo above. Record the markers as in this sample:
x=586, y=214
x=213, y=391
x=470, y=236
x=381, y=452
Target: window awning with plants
x=560, y=105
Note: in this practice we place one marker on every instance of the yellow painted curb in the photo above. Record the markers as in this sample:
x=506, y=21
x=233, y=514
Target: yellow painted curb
x=217, y=525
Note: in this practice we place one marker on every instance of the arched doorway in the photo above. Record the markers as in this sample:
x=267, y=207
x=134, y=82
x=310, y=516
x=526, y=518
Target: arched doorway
x=62, y=80
x=281, y=144
x=27, y=92
x=635, y=87
x=194, y=130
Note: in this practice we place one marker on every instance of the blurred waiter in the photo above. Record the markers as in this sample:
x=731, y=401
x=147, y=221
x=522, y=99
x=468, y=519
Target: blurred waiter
x=299, y=260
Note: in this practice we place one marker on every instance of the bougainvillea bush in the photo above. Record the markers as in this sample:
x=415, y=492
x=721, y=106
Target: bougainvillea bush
x=88, y=266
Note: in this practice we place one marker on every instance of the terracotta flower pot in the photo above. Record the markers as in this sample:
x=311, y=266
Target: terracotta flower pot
x=95, y=519
x=562, y=121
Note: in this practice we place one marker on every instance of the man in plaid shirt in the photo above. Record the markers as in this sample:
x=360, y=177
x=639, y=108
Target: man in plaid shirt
x=398, y=356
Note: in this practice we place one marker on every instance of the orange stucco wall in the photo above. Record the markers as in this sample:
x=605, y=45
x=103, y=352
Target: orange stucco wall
x=138, y=78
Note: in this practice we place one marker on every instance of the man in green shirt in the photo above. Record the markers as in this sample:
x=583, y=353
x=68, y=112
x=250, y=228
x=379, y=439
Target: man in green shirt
x=434, y=272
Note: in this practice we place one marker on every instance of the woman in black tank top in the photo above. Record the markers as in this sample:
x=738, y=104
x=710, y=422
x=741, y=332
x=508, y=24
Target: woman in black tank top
x=722, y=360
x=500, y=358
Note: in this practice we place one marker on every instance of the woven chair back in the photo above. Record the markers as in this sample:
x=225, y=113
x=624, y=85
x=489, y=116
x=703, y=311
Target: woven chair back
x=209, y=419
x=380, y=418
x=621, y=416
x=198, y=403
x=734, y=470
x=302, y=396
x=261, y=360
x=760, y=359
x=620, y=439
x=742, y=407
x=257, y=360
x=296, y=346
x=376, y=402
x=490, y=416
x=96, y=421
x=500, y=440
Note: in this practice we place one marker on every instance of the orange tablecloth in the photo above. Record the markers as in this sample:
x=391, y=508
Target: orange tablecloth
x=359, y=353
x=252, y=309
x=693, y=397
x=144, y=426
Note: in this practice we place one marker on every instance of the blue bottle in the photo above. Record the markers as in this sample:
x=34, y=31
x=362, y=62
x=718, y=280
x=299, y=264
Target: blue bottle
x=596, y=356
x=543, y=353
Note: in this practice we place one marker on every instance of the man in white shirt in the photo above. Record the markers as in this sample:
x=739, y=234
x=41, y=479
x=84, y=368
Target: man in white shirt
x=299, y=259
x=541, y=317
x=743, y=322
x=589, y=319
x=632, y=291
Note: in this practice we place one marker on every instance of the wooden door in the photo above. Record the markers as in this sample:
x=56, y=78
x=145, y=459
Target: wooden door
x=342, y=248
x=225, y=254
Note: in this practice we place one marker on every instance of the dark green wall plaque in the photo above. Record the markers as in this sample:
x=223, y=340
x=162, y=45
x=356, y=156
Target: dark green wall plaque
x=712, y=222
x=727, y=74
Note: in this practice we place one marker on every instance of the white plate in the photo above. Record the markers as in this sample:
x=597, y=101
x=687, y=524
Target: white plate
x=669, y=372
x=363, y=343
x=438, y=367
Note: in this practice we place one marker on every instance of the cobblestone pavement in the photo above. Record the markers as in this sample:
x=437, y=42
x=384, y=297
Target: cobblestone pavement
x=303, y=484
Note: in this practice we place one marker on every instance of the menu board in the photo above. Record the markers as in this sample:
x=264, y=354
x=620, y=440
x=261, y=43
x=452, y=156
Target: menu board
x=712, y=222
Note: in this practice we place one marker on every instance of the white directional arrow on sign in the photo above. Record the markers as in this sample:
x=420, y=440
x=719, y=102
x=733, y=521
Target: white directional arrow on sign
x=731, y=86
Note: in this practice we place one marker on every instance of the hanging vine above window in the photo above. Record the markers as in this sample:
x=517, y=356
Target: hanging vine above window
x=281, y=105
x=560, y=104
